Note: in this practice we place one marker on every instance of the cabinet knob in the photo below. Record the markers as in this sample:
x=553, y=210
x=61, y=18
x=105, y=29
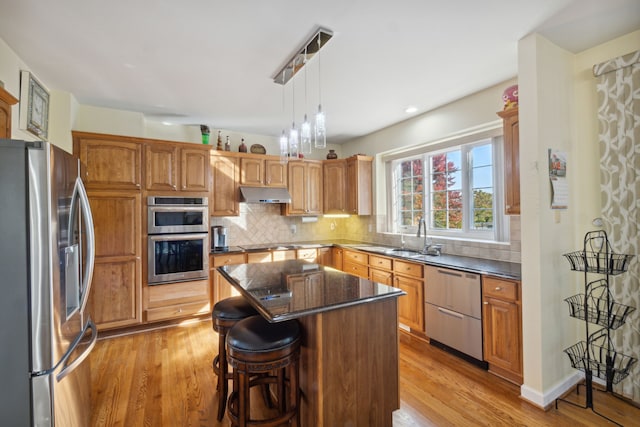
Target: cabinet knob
x=485, y=303
x=498, y=288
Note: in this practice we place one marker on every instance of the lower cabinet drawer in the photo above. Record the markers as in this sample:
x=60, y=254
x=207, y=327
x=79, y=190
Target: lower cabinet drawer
x=172, y=294
x=179, y=310
x=356, y=269
x=463, y=333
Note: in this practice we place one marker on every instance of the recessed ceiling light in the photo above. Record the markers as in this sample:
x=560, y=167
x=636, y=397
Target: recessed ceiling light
x=167, y=123
x=410, y=110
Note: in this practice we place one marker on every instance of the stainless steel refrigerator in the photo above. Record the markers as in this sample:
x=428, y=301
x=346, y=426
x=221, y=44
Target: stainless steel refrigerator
x=46, y=265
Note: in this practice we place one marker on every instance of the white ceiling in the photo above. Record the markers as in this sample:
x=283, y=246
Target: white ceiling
x=212, y=62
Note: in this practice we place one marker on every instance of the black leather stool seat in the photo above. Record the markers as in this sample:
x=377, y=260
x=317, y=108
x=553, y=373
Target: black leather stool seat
x=225, y=314
x=256, y=334
x=264, y=353
x=233, y=308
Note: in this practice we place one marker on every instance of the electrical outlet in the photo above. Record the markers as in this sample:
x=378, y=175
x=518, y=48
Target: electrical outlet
x=293, y=229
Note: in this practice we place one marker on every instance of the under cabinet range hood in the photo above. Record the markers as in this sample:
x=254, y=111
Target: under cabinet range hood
x=265, y=195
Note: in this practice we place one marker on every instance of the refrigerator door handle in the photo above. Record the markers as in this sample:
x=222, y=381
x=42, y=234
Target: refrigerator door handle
x=67, y=369
x=90, y=240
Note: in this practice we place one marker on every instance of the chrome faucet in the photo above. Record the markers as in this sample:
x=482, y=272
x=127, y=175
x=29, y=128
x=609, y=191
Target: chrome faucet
x=423, y=226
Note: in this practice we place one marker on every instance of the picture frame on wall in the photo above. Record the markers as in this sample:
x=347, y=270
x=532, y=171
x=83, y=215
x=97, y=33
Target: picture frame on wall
x=34, y=106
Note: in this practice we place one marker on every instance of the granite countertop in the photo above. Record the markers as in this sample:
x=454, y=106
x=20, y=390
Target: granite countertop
x=291, y=289
x=507, y=270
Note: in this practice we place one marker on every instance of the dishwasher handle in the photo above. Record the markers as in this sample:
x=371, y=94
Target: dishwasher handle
x=450, y=313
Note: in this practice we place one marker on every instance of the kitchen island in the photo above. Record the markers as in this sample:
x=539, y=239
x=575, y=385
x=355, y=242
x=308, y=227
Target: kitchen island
x=349, y=366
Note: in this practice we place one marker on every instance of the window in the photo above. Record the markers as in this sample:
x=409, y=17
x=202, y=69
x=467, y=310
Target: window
x=454, y=189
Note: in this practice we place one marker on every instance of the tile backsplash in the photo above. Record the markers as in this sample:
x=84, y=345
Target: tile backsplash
x=263, y=223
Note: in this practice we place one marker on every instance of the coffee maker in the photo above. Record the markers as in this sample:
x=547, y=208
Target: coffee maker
x=219, y=240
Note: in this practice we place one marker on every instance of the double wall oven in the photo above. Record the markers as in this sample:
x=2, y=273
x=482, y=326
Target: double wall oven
x=178, y=239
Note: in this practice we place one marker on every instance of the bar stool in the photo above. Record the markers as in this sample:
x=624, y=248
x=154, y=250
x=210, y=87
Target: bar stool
x=225, y=314
x=257, y=347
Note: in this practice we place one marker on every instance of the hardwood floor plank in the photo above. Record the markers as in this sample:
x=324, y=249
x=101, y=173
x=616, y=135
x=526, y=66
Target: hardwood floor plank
x=164, y=378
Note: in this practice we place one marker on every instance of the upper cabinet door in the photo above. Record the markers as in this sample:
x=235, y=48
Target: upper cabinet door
x=109, y=163
x=358, y=193
x=252, y=171
x=6, y=101
x=511, y=130
x=275, y=173
x=314, y=188
x=161, y=162
x=223, y=199
x=335, y=183
x=194, y=169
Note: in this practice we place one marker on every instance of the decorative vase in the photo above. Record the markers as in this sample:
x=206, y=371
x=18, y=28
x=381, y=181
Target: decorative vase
x=332, y=155
x=243, y=147
x=204, y=129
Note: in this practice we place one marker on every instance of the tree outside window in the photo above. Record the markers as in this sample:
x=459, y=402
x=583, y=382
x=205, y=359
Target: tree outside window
x=457, y=185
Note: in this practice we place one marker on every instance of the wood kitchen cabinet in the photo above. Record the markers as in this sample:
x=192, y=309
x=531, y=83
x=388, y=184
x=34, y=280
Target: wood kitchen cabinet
x=174, y=300
x=355, y=263
x=409, y=277
x=325, y=256
x=175, y=167
x=502, y=327
x=259, y=172
x=337, y=256
x=348, y=186
x=358, y=189
x=335, y=186
x=111, y=162
x=225, y=173
x=221, y=288
x=305, y=187
x=115, y=297
x=511, y=136
x=306, y=290
x=6, y=101
x=381, y=269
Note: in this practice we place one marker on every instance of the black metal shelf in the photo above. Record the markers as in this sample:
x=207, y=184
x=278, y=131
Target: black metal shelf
x=597, y=356
x=599, y=359
x=597, y=306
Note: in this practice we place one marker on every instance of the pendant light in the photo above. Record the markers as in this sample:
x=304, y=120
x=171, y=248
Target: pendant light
x=294, y=146
x=284, y=141
x=305, y=127
x=299, y=141
x=320, y=130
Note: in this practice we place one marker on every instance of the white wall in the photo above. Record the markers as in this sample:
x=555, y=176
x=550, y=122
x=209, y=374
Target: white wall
x=472, y=113
x=557, y=110
x=10, y=67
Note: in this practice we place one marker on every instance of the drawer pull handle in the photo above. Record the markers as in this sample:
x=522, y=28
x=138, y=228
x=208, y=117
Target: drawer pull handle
x=498, y=288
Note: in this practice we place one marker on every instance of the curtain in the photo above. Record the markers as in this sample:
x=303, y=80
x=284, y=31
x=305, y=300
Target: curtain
x=618, y=90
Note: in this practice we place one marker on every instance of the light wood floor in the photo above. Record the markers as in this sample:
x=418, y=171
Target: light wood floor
x=164, y=378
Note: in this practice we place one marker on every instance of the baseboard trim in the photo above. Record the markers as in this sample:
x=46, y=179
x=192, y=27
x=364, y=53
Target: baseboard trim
x=546, y=399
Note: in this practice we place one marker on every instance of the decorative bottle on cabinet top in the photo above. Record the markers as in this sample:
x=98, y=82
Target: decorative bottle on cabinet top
x=219, y=146
x=243, y=147
x=332, y=155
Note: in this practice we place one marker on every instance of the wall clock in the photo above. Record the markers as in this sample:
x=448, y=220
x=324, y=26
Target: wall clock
x=34, y=106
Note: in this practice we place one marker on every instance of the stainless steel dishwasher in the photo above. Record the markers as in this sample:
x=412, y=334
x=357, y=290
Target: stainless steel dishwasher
x=453, y=310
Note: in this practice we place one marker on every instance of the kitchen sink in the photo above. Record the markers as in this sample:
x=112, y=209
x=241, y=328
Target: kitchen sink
x=404, y=252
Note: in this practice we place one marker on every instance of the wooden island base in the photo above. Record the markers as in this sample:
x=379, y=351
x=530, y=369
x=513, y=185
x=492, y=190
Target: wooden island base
x=349, y=371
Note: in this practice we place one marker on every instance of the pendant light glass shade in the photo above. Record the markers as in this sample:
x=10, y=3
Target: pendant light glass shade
x=305, y=136
x=284, y=148
x=294, y=145
x=321, y=131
